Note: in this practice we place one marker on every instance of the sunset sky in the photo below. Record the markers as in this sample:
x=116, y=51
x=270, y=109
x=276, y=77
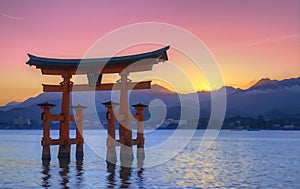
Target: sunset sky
x=250, y=39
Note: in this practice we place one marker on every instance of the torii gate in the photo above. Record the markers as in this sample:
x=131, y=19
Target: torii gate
x=94, y=68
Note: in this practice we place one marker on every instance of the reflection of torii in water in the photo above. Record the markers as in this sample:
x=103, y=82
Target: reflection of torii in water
x=94, y=68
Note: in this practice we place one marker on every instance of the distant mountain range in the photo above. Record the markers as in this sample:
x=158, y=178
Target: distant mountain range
x=270, y=98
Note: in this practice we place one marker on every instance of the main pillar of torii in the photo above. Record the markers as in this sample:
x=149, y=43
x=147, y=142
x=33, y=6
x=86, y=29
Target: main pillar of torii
x=94, y=68
x=126, y=154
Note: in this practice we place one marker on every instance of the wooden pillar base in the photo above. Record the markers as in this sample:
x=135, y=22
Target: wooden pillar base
x=64, y=154
x=111, y=167
x=46, y=156
x=79, y=152
x=141, y=141
x=111, y=155
x=79, y=165
x=111, y=159
x=126, y=156
x=140, y=153
x=140, y=156
x=79, y=131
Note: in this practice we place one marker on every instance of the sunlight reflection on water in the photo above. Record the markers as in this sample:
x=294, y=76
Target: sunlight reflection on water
x=264, y=159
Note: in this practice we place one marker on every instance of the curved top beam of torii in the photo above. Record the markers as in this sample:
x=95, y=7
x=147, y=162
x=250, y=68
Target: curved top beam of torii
x=56, y=66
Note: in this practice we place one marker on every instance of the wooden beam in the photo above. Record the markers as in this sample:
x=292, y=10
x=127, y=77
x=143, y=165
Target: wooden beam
x=138, y=67
x=101, y=87
x=51, y=71
x=72, y=118
x=57, y=117
x=59, y=142
x=139, y=85
x=134, y=142
x=52, y=88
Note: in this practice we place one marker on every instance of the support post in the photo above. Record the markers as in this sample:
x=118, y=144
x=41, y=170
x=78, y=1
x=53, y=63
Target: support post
x=46, y=155
x=111, y=156
x=64, y=147
x=125, y=129
x=140, y=133
x=79, y=131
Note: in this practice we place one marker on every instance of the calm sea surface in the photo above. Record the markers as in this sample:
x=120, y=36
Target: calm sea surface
x=237, y=159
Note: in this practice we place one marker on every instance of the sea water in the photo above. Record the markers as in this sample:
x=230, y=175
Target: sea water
x=236, y=159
